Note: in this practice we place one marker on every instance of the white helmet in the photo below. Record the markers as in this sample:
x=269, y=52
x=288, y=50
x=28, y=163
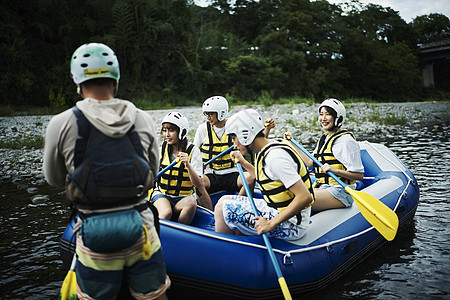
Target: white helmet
x=94, y=60
x=179, y=120
x=338, y=107
x=216, y=104
x=245, y=124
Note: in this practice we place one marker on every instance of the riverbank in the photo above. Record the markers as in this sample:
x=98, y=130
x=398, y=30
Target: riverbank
x=363, y=119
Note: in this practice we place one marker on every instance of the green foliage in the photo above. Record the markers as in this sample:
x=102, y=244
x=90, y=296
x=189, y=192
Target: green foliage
x=172, y=51
x=432, y=28
x=35, y=142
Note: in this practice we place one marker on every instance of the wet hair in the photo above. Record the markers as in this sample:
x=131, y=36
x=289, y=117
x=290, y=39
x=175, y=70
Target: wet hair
x=182, y=145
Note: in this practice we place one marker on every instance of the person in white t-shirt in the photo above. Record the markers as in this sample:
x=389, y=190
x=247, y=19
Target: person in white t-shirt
x=282, y=177
x=175, y=195
x=339, y=153
x=210, y=137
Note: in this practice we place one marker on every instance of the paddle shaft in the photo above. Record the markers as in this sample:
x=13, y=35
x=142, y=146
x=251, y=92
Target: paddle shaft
x=205, y=164
x=381, y=217
x=218, y=155
x=281, y=280
x=165, y=169
x=317, y=161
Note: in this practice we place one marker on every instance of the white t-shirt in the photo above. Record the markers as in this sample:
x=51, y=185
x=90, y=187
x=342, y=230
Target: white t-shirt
x=279, y=165
x=200, y=137
x=347, y=151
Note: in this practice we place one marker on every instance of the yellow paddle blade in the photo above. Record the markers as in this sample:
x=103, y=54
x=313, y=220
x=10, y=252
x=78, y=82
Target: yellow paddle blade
x=376, y=213
x=69, y=287
x=284, y=288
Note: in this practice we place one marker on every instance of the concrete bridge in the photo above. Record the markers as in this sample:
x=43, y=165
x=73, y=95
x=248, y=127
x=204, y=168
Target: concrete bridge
x=435, y=64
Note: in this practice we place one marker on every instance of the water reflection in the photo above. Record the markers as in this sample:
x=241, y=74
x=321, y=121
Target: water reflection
x=414, y=265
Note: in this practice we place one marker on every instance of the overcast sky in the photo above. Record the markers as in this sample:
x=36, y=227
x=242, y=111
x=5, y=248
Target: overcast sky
x=408, y=9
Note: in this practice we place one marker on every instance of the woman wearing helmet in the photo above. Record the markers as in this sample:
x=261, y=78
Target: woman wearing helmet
x=282, y=177
x=339, y=153
x=103, y=126
x=176, y=189
x=210, y=137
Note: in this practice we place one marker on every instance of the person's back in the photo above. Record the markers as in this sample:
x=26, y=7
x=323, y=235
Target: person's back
x=107, y=150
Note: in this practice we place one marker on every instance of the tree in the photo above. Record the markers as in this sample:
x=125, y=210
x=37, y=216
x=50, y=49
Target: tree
x=432, y=28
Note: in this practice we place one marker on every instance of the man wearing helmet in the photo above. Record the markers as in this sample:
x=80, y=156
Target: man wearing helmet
x=339, y=153
x=282, y=177
x=210, y=137
x=106, y=152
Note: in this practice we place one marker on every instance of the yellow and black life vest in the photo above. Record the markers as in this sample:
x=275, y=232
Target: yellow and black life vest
x=324, y=154
x=213, y=146
x=175, y=181
x=274, y=191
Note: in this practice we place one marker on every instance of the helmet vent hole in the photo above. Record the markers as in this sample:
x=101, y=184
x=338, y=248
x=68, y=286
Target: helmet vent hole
x=109, y=63
x=86, y=55
x=105, y=54
x=84, y=65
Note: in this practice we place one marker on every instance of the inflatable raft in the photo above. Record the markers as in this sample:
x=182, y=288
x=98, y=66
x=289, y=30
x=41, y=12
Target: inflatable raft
x=202, y=260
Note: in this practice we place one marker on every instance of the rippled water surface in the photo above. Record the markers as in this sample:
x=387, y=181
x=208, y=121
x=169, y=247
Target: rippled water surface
x=415, y=265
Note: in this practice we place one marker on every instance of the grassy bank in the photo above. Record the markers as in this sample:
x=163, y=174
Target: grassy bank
x=147, y=104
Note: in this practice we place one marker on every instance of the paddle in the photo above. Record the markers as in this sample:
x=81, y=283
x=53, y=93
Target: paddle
x=281, y=280
x=69, y=286
x=166, y=168
x=381, y=217
x=218, y=155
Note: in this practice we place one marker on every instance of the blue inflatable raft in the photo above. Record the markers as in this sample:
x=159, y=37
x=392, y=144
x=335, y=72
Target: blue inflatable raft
x=202, y=260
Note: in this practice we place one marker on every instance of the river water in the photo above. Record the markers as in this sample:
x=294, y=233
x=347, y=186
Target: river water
x=415, y=265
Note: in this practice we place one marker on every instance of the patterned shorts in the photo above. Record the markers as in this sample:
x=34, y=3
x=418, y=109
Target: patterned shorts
x=238, y=214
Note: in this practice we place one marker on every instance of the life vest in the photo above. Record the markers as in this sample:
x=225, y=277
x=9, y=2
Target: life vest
x=324, y=154
x=274, y=191
x=109, y=172
x=175, y=181
x=214, y=146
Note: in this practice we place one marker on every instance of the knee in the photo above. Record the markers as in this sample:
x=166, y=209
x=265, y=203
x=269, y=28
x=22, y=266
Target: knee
x=165, y=213
x=250, y=179
x=192, y=202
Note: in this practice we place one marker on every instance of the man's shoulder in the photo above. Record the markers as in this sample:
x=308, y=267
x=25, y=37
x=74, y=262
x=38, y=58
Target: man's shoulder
x=62, y=117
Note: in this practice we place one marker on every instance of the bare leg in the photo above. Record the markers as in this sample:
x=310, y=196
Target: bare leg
x=203, y=198
x=324, y=200
x=164, y=208
x=250, y=181
x=185, y=209
x=221, y=226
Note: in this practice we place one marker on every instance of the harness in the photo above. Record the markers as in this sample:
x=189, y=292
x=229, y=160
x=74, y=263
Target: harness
x=175, y=181
x=109, y=172
x=274, y=191
x=324, y=154
x=213, y=146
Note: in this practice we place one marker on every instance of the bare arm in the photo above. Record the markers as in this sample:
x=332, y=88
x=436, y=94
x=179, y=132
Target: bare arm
x=245, y=164
x=342, y=173
x=270, y=123
x=195, y=179
x=301, y=200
